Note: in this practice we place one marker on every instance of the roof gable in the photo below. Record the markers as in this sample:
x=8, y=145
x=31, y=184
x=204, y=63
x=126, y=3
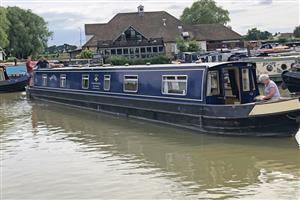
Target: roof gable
x=156, y=25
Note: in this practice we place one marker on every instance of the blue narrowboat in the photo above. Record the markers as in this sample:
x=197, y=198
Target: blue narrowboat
x=214, y=98
x=12, y=84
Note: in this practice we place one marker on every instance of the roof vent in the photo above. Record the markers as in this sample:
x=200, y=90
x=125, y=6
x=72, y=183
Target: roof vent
x=141, y=10
x=164, y=22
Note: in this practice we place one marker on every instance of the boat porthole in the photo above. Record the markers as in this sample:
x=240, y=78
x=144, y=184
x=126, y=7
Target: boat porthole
x=284, y=67
x=269, y=68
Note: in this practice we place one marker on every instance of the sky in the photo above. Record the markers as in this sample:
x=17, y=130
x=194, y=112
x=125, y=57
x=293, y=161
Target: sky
x=66, y=18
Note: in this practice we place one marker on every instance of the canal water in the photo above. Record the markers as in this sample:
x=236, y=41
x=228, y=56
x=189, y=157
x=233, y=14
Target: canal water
x=52, y=152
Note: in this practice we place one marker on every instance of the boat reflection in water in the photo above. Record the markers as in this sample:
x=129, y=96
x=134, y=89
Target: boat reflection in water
x=209, y=166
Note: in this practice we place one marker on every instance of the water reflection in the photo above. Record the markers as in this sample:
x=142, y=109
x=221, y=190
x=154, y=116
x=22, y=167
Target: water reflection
x=191, y=165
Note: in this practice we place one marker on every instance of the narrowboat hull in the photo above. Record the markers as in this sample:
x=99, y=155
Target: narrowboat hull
x=292, y=81
x=234, y=120
x=14, y=85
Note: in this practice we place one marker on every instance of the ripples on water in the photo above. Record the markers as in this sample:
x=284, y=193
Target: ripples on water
x=52, y=152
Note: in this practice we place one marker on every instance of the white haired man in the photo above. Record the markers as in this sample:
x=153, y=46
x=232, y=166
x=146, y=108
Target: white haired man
x=271, y=90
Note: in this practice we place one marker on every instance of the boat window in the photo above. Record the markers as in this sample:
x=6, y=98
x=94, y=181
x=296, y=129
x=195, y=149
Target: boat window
x=175, y=85
x=44, y=79
x=85, y=82
x=245, y=80
x=130, y=84
x=63, y=81
x=213, y=83
x=106, y=84
x=2, y=77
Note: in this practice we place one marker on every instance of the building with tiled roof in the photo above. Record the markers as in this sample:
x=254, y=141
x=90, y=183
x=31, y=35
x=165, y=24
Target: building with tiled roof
x=143, y=34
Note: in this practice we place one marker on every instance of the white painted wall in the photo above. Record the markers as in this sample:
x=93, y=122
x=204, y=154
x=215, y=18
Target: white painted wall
x=1, y=55
x=202, y=45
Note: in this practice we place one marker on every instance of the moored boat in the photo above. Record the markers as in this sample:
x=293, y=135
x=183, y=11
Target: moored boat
x=12, y=83
x=214, y=98
x=291, y=80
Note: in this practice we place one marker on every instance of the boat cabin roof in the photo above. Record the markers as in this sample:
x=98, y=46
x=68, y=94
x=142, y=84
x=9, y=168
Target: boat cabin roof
x=201, y=65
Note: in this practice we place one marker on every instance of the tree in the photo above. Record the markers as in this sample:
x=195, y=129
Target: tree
x=28, y=33
x=3, y=28
x=193, y=46
x=187, y=46
x=181, y=45
x=297, y=31
x=255, y=34
x=205, y=12
x=60, y=49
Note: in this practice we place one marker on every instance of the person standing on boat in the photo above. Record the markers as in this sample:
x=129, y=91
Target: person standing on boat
x=29, y=67
x=271, y=90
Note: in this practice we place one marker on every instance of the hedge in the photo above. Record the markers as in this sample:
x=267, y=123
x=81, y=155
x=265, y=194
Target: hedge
x=122, y=60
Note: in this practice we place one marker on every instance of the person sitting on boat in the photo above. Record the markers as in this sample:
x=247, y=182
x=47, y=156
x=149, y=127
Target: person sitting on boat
x=42, y=63
x=271, y=90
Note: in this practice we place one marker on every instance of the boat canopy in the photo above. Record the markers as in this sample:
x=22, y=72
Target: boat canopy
x=231, y=83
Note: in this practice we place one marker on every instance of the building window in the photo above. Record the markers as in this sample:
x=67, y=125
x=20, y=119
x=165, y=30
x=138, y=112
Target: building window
x=131, y=50
x=143, y=50
x=130, y=84
x=106, y=51
x=113, y=52
x=85, y=81
x=245, y=80
x=155, y=49
x=63, y=80
x=149, y=49
x=175, y=85
x=119, y=51
x=213, y=83
x=106, y=84
x=137, y=50
x=44, y=79
x=161, y=49
x=125, y=51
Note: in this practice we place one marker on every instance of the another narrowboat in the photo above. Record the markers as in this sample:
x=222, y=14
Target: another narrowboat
x=13, y=83
x=291, y=80
x=213, y=98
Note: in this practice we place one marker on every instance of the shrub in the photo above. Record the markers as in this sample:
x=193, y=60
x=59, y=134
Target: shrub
x=86, y=54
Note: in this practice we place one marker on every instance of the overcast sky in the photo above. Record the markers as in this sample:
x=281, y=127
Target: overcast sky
x=67, y=17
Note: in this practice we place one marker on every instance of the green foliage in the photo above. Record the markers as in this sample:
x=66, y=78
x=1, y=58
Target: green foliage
x=122, y=60
x=255, y=34
x=27, y=33
x=3, y=28
x=181, y=45
x=86, y=54
x=205, y=12
x=60, y=49
x=282, y=40
x=187, y=46
x=193, y=46
x=297, y=31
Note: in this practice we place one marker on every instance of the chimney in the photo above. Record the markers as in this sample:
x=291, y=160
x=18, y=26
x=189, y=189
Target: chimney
x=141, y=10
